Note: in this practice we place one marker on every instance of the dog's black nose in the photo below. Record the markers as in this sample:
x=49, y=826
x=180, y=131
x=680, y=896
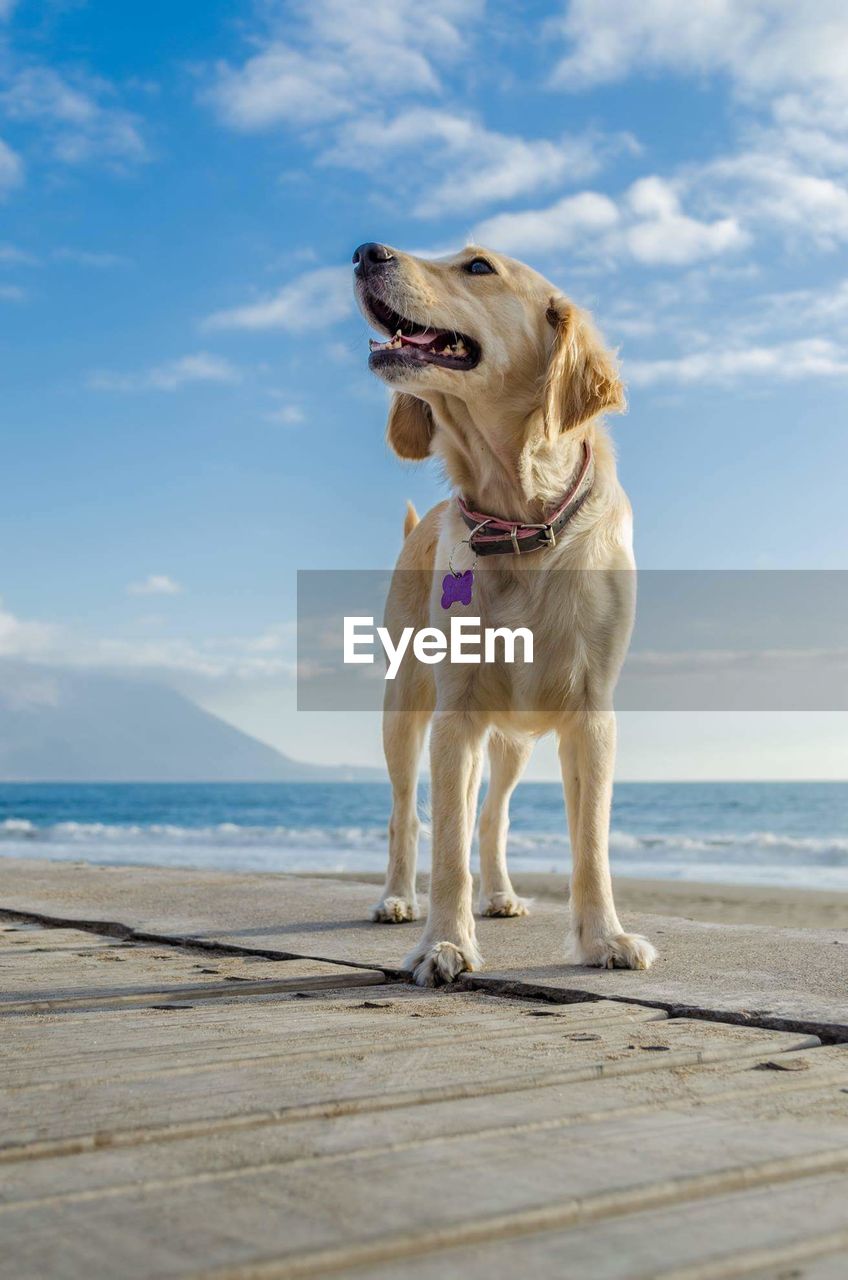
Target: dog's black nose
x=371, y=255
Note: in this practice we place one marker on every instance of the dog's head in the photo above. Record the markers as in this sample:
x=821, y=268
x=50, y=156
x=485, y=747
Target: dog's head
x=483, y=329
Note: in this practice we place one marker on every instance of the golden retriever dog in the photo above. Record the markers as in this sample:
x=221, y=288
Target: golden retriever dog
x=494, y=371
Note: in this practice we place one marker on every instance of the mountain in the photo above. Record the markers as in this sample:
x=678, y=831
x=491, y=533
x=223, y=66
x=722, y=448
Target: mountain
x=65, y=725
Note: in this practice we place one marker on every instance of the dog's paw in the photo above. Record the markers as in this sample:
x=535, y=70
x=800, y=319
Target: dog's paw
x=392, y=910
x=618, y=951
x=504, y=904
x=434, y=964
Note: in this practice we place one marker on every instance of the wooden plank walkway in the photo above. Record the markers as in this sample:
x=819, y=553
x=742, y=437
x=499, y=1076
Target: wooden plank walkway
x=787, y=978
x=295, y=1117
x=35, y=977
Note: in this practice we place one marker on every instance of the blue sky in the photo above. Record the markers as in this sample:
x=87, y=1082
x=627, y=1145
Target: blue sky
x=183, y=370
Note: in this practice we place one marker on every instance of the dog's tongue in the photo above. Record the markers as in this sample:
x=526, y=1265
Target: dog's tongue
x=425, y=339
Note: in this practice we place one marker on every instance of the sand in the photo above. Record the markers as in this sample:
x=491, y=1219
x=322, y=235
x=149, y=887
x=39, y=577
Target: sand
x=715, y=903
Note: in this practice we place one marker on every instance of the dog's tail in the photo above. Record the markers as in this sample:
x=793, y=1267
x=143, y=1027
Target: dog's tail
x=410, y=520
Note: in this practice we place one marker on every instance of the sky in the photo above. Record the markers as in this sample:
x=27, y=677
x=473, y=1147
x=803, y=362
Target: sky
x=184, y=372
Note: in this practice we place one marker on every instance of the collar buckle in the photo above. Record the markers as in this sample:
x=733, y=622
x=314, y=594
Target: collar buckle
x=502, y=536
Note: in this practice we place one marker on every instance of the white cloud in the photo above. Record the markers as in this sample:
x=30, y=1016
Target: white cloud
x=787, y=361
x=212, y=659
x=662, y=233
x=327, y=67
x=11, y=255
x=466, y=164
x=270, y=652
x=200, y=367
x=155, y=584
x=765, y=47
x=11, y=293
x=810, y=307
x=11, y=168
x=803, y=129
x=785, y=63
x=646, y=225
x=370, y=91
x=23, y=639
x=324, y=60
x=78, y=126
x=774, y=189
x=89, y=258
x=280, y=84
x=313, y=300
x=764, y=339
x=239, y=657
x=559, y=226
x=288, y=415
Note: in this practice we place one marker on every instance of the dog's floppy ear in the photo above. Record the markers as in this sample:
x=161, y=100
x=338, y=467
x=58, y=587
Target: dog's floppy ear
x=582, y=379
x=409, y=430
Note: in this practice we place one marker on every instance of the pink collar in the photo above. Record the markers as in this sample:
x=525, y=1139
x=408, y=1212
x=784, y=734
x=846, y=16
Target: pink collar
x=513, y=537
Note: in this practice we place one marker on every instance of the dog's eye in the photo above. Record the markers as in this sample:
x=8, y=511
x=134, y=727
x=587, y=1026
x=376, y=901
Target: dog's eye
x=479, y=267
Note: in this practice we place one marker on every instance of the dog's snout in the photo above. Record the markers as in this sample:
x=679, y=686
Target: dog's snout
x=369, y=256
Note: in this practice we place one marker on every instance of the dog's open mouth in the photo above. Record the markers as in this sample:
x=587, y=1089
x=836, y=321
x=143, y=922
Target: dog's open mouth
x=415, y=344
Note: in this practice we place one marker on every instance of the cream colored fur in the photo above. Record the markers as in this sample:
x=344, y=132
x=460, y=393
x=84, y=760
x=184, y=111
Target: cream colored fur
x=510, y=434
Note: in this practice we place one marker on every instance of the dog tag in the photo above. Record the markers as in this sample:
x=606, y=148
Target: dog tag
x=457, y=588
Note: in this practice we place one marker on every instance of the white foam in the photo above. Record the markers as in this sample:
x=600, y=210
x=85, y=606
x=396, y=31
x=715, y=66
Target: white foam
x=758, y=857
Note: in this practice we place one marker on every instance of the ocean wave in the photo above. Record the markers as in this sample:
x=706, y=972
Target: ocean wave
x=13, y=828
x=222, y=833
x=755, y=846
x=766, y=844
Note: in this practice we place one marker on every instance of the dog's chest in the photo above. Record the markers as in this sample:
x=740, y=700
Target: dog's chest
x=515, y=673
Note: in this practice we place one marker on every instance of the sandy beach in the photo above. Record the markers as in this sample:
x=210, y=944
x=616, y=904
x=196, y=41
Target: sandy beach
x=711, y=903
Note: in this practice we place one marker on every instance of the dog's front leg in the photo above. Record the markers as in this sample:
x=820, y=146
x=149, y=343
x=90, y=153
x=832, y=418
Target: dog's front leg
x=587, y=756
x=403, y=739
x=449, y=944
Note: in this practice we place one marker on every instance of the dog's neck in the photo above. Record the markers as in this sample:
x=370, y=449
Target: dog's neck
x=507, y=464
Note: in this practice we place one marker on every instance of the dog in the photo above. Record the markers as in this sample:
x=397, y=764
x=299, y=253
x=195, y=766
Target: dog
x=498, y=374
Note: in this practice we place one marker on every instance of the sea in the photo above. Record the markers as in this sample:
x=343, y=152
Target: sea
x=769, y=833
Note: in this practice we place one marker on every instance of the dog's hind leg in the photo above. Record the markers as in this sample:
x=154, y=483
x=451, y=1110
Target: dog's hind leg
x=403, y=738
x=507, y=761
x=587, y=755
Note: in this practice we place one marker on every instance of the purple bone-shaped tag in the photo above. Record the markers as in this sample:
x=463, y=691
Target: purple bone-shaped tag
x=457, y=588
